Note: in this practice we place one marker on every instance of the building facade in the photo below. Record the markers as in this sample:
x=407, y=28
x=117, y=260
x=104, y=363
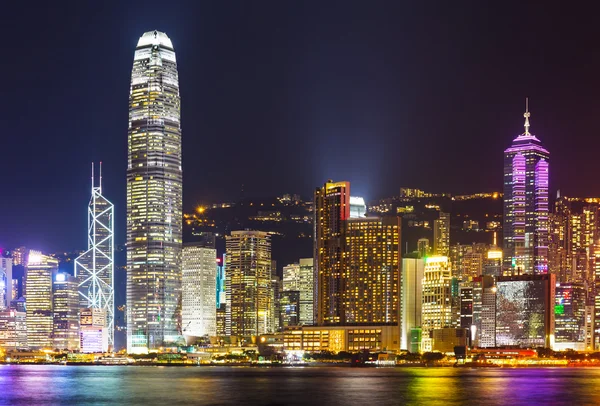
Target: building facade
x=249, y=289
x=436, y=298
x=526, y=177
x=411, y=289
x=199, y=291
x=95, y=268
x=441, y=235
x=66, y=312
x=154, y=197
x=300, y=277
x=40, y=271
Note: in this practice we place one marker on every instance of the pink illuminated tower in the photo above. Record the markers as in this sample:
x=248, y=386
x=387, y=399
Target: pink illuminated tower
x=526, y=204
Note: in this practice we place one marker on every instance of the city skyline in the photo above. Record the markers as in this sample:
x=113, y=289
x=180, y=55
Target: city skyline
x=489, y=105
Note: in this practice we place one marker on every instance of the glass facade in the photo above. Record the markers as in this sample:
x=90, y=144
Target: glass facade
x=199, y=278
x=38, y=289
x=95, y=268
x=526, y=172
x=154, y=197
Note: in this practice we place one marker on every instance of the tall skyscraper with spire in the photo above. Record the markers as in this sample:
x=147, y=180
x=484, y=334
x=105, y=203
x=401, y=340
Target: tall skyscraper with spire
x=526, y=168
x=154, y=197
x=95, y=268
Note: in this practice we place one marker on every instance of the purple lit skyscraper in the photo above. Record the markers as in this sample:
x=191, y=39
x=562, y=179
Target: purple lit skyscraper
x=526, y=204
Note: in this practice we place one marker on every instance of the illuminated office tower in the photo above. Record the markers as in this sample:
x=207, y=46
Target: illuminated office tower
x=300, y=277
x=441, y=235
x=525, y=310
x=493, y=262
x=478, y=310
x=95, y=268
x=436, y=298
x=6, y=282
x=249, y=283
x=569, y=317
x=332, y=208
x=526, y=204
x=411, y=290
x=370, y=271
x=198, y=291
x=154, y=197
x=66, y=312
x=40, y=271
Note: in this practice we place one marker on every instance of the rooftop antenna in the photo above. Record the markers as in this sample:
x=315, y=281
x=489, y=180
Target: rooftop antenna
x=100, y=185
x=92, y=177
x=527, y=115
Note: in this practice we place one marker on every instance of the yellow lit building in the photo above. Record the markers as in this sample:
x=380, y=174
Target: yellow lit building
x=437, y=299
x=250, y=292
x=342, y=338
x=371, y=270
x=38, y=288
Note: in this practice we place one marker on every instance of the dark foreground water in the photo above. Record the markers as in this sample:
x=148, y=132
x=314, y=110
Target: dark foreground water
x=99, y=385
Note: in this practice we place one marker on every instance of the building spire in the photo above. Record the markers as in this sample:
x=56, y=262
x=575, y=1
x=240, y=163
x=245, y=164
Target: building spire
x=92, y=177
x=100, y=184
x=527, y=115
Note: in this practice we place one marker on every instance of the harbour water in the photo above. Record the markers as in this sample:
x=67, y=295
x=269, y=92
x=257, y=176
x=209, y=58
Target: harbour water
x=133, y=385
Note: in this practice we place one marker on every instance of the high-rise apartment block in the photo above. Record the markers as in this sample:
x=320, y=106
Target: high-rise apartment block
x=154, y=197
x=199, y=291
x=526, y=171
x=249, y=289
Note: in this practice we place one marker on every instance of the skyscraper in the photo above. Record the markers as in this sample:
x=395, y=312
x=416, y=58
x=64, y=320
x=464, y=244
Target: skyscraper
x=198, y=297
x=154, y=197
x=526, y=204
x=249, y=291
x=441, y=235
x=95, y=268
x=299, y=277
x=6, y=282
x=436, y=298
x=66, y=312
x=332, y=208
x=40, y=271
x=411, y=301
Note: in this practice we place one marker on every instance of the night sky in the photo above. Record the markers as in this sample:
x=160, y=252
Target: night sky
x=281, y=95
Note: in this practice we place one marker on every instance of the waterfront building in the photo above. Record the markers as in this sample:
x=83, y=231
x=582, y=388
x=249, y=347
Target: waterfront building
x=40, y=271
x=249, y=283
x=154, y=197
x=13, y=330
x=342, y=338
x=95, y=268
x=411, y=291
x=441, y=235
x=370, y=271
x=483, y=329
x=332, y=208
x=300, y=277
x=66, y=312
x=525, y=310
x=93, y=334
x=526, y=204
x=199, y=278
x=436, y=298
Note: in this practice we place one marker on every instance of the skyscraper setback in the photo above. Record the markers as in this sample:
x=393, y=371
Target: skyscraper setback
x=154, y=197
x=526, y=204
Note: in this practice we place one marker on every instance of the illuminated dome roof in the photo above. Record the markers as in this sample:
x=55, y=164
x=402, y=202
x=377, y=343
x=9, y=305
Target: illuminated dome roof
x=155, y=38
